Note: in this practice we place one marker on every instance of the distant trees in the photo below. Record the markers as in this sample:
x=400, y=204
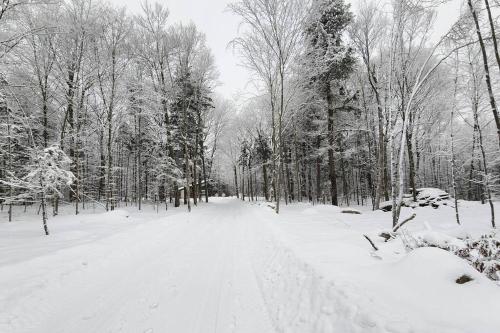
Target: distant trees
x=269, y=46
x=367, y=32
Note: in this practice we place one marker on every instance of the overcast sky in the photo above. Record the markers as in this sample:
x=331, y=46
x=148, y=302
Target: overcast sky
x=220, y=27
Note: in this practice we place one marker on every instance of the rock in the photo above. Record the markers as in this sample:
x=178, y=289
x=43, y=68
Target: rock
x=350, y=211
x=464, y=279
x=427, y=196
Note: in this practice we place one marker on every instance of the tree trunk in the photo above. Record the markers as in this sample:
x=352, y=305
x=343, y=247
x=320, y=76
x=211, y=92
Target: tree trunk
x=345, y=187
x=109, y=172
x=45, y=121
x=471, y=170
x=102, y=166
x=250, y=183
x=411, y=165
x=485, y=166
x=177, y=195
x=187, y=190
x=9, y=159
x=204, y=169
x=331, y=142
x=290, y=180
x=139, y=160
x=486, y=69
x=318, y=179
x=236, y=181
x=394, y=170
x=284, y=182
x=44, y=214
x=452, y=138
x=264, y=176
x=309, y=181
x=195, y=180
x=493, y=33
x=297, y=174
x=381, y=140
x=243, y=183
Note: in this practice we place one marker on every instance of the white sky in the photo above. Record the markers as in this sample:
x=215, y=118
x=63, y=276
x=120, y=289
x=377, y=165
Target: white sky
x=220, y=27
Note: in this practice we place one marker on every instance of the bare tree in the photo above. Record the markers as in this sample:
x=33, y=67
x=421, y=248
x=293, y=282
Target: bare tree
x=269, y=47
x=367, y=31
x=109, y=55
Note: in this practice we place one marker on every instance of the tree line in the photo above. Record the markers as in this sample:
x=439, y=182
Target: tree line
x=100, y=106
x=351, y=105
x=366, y=105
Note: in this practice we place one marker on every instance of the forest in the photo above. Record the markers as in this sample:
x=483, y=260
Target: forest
x=364, y=105
x=299, y=166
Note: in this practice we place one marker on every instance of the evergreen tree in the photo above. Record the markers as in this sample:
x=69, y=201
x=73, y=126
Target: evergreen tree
x=330, y=61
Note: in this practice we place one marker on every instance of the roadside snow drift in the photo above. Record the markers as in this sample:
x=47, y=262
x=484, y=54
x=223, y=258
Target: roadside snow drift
x=318, y=274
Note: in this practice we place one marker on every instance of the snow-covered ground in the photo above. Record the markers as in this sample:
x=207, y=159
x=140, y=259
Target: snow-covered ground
x=231, y=266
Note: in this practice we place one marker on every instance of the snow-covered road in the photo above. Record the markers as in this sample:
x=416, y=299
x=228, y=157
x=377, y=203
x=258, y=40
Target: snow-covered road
x=232, y=266
x=180, y=273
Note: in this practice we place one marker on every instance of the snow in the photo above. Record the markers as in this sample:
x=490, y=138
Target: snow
x=231, y=266
x=171, y=272
x=440, y=239
x=432, y=193
x=322, y=276
x=425, y=196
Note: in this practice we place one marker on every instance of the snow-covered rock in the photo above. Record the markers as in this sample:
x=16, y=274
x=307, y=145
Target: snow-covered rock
x=432, y=196
x=427, y=196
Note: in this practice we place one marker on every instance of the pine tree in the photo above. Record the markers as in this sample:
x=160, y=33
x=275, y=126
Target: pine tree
x=331, y=61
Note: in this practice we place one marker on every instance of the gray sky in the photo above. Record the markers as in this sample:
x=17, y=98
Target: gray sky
x=220, y=27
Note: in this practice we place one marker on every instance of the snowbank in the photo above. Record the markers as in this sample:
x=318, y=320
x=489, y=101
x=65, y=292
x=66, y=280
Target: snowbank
x=422, y=289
